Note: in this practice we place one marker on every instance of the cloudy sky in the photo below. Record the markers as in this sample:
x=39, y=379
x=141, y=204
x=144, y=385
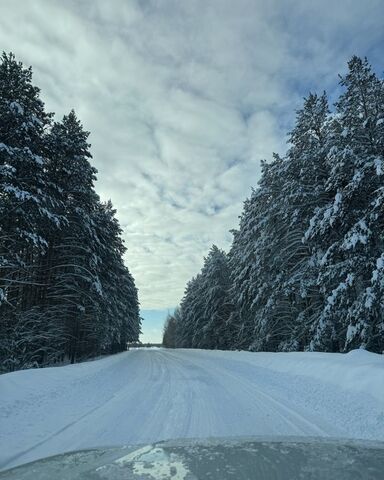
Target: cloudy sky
x=182, y=99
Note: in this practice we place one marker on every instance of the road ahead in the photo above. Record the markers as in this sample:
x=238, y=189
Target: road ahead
x=148, y=395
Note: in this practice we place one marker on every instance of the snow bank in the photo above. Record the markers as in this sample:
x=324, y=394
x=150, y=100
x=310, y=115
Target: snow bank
x=359, y=371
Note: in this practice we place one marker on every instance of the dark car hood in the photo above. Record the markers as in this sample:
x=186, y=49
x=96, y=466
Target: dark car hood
x=221, y=459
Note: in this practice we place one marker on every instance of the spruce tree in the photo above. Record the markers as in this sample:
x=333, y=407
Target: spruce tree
x=26, y=210
x=350, y=224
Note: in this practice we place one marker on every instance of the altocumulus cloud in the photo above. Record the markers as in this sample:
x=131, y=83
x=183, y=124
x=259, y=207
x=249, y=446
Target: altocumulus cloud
x=183, y=99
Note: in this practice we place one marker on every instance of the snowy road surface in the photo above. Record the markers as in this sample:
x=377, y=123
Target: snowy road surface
x=143, y=396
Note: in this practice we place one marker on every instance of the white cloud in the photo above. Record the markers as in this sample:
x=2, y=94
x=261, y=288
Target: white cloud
x=183, y=99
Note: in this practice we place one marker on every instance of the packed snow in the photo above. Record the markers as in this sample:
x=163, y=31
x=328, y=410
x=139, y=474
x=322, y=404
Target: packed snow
x=147, y=395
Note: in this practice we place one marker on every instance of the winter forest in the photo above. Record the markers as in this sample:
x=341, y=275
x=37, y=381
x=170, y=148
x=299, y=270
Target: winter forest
x=65, y=293
x=305, y=270
x=306, y=267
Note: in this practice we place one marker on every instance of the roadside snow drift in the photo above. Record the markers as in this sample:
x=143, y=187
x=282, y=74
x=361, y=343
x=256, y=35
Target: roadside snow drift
x=144, y=396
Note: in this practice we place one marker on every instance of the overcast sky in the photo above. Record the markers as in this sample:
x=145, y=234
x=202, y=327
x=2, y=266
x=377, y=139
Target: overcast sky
x=183, y=99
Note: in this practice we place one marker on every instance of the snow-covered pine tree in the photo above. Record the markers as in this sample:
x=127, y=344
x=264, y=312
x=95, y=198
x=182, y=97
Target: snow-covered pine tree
x=351, y=223
x=242, y=257
x=256, y=264
x=118, y=320
x=202, y=321
x=216, y=301
x=130, y=313
x=74, y=289
x=26, y=212
x=191, y=310
x=305, y=170
x=170, y=329
x=283, y=296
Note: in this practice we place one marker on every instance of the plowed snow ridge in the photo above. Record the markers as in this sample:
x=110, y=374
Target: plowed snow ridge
x=149, y=395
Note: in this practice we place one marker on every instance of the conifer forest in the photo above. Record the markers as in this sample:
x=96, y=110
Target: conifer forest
x=305, y=270
x=65, y=293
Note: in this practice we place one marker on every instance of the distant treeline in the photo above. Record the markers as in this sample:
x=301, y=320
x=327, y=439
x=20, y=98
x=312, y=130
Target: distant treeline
x=64, y=290
x=306, y=267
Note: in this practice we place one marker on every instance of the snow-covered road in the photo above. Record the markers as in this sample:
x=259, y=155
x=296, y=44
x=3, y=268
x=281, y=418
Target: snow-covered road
x=143, y=396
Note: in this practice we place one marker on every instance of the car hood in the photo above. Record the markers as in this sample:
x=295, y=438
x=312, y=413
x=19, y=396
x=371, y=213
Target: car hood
x=239, y=458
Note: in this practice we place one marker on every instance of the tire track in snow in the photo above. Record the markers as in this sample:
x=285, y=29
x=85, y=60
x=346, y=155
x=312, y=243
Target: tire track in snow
x=86, y=422
x=298, y=422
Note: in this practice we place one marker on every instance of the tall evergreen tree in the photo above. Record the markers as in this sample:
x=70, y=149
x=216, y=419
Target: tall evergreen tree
x=74, y=289
x=202, y=321
x=170, y=329
x=217, y=306
x=351, y=223
x=191, y=310
x=64, y=289
x=25, y=207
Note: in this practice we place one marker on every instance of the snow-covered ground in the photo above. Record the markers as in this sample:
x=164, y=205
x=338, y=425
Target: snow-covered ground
x=143, y=396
